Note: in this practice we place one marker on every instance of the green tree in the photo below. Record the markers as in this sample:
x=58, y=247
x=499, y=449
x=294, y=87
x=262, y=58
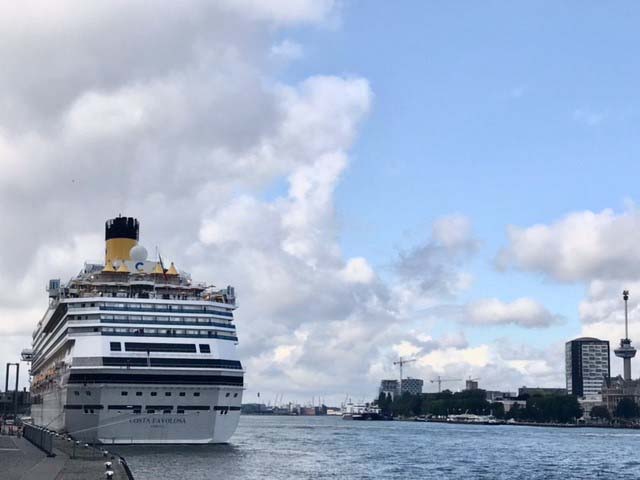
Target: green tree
x=600, y=411
x=627, y=408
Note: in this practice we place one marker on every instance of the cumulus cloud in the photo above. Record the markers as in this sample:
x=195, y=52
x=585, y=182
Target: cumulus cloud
x=582, y=246
x=433, y=268
x=524, y=312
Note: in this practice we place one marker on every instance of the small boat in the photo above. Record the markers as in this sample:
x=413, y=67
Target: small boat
x=362, y=411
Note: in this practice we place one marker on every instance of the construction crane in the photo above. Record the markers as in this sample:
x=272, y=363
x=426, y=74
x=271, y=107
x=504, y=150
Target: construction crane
x=440, y=381
x=401, y=363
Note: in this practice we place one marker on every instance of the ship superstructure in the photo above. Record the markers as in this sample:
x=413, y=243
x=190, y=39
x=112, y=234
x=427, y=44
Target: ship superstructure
x=130, y=351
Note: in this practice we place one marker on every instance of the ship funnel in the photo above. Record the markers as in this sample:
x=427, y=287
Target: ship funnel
x=121, y=235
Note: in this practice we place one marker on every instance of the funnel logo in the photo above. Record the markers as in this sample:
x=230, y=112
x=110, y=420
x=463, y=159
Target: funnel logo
x=139, y=266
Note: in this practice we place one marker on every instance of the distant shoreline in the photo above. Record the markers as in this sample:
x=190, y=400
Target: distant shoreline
x=529, y=424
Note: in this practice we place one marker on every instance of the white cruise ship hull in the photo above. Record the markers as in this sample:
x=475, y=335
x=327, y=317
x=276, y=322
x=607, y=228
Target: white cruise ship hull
x=212, y=417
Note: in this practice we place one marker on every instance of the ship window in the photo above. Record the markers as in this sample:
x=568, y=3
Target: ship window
x=196, y=394
x=124, y=394
x=153, y=394
x=160, y=347
x=88, y=393
x=137, y=410
x=138, y=394
x=93, y=304
x=76, y=393
x=167, y=394
x=235, y=395
x=228, y=393
x=116, y=346
x=180, y=410
x=150, y=410
x=181, y=394
x=205, y=348
x=166, y=411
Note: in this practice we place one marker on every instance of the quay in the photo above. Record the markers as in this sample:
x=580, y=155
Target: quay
x=22, y=460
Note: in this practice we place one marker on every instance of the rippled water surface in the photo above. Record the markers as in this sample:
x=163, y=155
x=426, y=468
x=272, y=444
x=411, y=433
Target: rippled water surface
x=329, y=447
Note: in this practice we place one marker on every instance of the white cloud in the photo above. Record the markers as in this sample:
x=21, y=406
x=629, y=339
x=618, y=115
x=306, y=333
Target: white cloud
x=524, y=312
x=582, y=246
x=358, y=270
x=287, y=50
x=433, y=268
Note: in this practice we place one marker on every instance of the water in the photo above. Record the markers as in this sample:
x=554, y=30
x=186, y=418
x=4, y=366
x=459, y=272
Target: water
x=332, y=448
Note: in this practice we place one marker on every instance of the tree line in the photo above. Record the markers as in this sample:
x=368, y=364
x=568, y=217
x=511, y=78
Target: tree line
x=543, y=409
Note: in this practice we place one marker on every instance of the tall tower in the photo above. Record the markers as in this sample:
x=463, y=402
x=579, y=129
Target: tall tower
x=626, y=351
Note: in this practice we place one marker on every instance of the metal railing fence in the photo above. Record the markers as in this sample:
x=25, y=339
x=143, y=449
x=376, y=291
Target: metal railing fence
x=40, y=437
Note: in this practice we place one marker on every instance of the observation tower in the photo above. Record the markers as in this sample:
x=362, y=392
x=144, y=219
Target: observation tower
x=626, y=351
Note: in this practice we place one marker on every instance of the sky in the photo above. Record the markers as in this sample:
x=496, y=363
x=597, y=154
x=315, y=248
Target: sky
x=447, y=181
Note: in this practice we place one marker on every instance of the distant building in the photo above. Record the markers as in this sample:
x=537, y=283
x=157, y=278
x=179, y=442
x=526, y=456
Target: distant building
x=508, y=404
x=587, y=364
x=389, y=387
x=541, y=391
x=493, y=395
x=471, y=385
x=412, y=386
x=7, y=402
x=615, y=389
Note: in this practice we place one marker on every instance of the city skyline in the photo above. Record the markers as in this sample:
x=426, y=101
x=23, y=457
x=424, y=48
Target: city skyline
x=455, y=186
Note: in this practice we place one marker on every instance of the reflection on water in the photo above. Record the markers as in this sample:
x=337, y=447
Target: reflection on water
x=326, y=447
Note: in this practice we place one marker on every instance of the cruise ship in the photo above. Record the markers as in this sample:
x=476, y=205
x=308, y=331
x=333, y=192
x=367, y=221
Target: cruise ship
x=131, y=351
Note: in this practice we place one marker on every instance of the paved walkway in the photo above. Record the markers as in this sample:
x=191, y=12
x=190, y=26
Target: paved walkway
x=20, y=460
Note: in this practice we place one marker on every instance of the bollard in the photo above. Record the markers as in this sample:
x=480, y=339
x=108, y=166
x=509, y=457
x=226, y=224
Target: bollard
x=107, y=465
x=108, y=474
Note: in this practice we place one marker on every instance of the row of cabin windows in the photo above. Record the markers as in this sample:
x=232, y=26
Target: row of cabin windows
x=152, y=318
x=169, y=332
x=158, y=409
x=159, y=347
x=152, y=307
x=162, y=331
x=125, y=393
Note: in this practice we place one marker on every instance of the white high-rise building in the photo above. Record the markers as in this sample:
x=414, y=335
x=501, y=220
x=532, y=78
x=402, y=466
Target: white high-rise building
x=587, y=365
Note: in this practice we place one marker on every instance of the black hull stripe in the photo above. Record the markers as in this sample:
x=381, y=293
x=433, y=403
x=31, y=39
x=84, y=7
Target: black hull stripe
x=170, y=362
x=114, y=378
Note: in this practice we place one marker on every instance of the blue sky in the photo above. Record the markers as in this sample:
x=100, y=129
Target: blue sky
x=509, y=113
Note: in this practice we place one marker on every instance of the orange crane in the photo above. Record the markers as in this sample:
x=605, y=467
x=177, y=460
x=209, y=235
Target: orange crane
x=440, y=381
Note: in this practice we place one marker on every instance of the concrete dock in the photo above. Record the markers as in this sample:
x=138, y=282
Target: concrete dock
x=20, y=460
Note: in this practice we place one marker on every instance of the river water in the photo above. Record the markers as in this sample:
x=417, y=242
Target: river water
x=331, y=448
